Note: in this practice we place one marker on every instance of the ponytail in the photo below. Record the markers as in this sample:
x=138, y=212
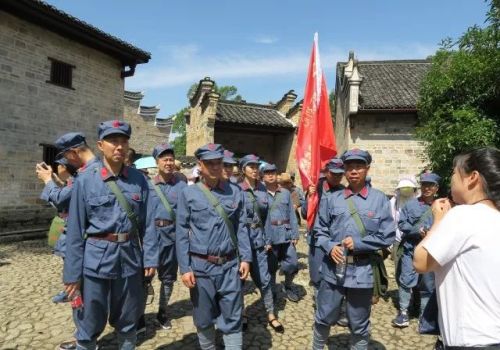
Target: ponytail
x=486, y=161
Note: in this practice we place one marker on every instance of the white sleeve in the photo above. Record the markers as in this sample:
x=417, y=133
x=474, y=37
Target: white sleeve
x=450, y=236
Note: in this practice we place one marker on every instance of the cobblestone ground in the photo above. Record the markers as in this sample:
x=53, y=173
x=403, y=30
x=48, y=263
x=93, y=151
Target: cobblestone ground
x=30, y=276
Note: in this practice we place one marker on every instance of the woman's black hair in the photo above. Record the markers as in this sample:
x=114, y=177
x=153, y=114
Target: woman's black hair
x=486, y=161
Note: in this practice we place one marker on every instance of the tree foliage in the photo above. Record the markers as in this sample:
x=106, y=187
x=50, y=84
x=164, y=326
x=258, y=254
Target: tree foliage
x=179, y=128
x=459, y=105
x=179, y=125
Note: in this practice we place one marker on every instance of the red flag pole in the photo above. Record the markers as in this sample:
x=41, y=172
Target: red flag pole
x=315, y=136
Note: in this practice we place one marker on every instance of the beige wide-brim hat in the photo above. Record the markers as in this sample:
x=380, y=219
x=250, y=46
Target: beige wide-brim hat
x=285, y=177
x=406, y=183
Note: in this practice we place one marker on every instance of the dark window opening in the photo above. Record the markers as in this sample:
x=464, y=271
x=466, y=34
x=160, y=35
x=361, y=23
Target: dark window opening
x=61, y=73
x=49, y=155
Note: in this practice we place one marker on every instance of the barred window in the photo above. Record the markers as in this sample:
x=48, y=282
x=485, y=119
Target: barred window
x=61, y=73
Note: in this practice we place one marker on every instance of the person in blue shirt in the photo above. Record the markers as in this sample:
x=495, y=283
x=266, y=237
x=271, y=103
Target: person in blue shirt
x=330, y=183
x=229, y=163
x=57, y=191
x=73, y=153
x=170, y=183
x=351, y=226
x=282, y=233
x=107, y=249
x=414, y=221
x=213, y=250
x=256, y=203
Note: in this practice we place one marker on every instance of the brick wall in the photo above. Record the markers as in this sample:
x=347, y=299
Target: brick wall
x=390, y=140
x=33, y=111
x=145, y=134
x=273, y=148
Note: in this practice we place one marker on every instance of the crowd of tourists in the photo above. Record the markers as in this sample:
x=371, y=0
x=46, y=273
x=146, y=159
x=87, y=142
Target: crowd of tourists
x=236, y=218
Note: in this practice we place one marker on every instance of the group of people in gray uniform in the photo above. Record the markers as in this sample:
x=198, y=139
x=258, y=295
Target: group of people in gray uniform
x=123, y=227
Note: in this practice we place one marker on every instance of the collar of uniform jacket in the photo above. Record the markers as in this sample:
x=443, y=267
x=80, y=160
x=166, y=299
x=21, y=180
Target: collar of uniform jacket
x=363, y=193
x=106, y=174
x=244, y=185
x=278, y=189
x=421, y=201
x=221, y=185
x=159, y=180
x=326, y=186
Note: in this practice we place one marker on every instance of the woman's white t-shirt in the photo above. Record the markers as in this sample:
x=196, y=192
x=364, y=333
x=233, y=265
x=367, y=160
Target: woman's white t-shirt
x=466, y=245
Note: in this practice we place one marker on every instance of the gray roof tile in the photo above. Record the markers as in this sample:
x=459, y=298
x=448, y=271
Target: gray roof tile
x=391, y=84
x=251, y=114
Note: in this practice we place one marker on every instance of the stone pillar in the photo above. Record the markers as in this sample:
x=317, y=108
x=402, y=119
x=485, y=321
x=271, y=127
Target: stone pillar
x=201, y=120
x=286, y=102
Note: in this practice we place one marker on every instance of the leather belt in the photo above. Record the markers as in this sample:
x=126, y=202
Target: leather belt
x=112, y=237
x=216, y=260
x=280, y=222
x=163, y=223
x=352, y=259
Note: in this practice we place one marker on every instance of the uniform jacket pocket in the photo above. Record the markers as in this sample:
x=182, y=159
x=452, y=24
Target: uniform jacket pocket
x=94, y=252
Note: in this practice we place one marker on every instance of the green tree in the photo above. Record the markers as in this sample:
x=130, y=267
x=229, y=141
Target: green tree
x=179, y=128
x=179, y=125
x=459, y=105
x=226, y=92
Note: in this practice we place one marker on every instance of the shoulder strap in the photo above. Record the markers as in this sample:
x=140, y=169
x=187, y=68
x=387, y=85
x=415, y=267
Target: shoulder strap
x=164, y=200
x=222, y=213
x=275, y=201
x=355, y=215
x=256, y=208
x=424, y=216
x=126, y=207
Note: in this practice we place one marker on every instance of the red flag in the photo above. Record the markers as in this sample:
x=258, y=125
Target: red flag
x=315, y=137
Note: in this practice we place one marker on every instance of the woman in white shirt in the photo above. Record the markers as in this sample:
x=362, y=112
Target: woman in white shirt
x=463, y=249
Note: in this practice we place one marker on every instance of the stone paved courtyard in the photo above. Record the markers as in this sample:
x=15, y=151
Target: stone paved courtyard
x=30, y=275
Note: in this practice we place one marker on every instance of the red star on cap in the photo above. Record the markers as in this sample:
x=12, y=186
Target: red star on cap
x=211, y=146
x=356, y=151
x=116, y=123
x=136, y=197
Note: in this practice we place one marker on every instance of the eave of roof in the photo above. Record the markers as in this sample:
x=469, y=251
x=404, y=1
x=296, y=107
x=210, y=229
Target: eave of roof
x=53, y=19
x=232, y=113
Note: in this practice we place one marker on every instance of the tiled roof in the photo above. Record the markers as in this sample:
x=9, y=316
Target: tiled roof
x=391, y=84
x=149, y=111
x=133, y=95
x=49, y=17
x=251, y=114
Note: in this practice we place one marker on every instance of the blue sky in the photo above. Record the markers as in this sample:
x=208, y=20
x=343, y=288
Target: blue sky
x=263, y=46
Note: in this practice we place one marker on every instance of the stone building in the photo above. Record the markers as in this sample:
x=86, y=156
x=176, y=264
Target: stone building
x=147, y=129
x=266, y=130
x=376, y=110
x=57, y=74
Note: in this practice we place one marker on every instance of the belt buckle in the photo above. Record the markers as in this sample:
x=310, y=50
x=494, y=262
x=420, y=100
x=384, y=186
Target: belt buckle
x=279, y=222
x=121, y=237
x=350, y=259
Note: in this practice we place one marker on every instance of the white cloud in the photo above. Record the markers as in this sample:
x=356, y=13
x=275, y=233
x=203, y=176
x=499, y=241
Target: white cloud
x=179, y=52
x=266, y=39
x=188, y=65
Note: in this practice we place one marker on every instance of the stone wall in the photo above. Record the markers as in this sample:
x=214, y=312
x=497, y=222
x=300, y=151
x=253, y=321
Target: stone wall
x=33, y=111
x=145, y=134
x=271, y=147
x=390, y=140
